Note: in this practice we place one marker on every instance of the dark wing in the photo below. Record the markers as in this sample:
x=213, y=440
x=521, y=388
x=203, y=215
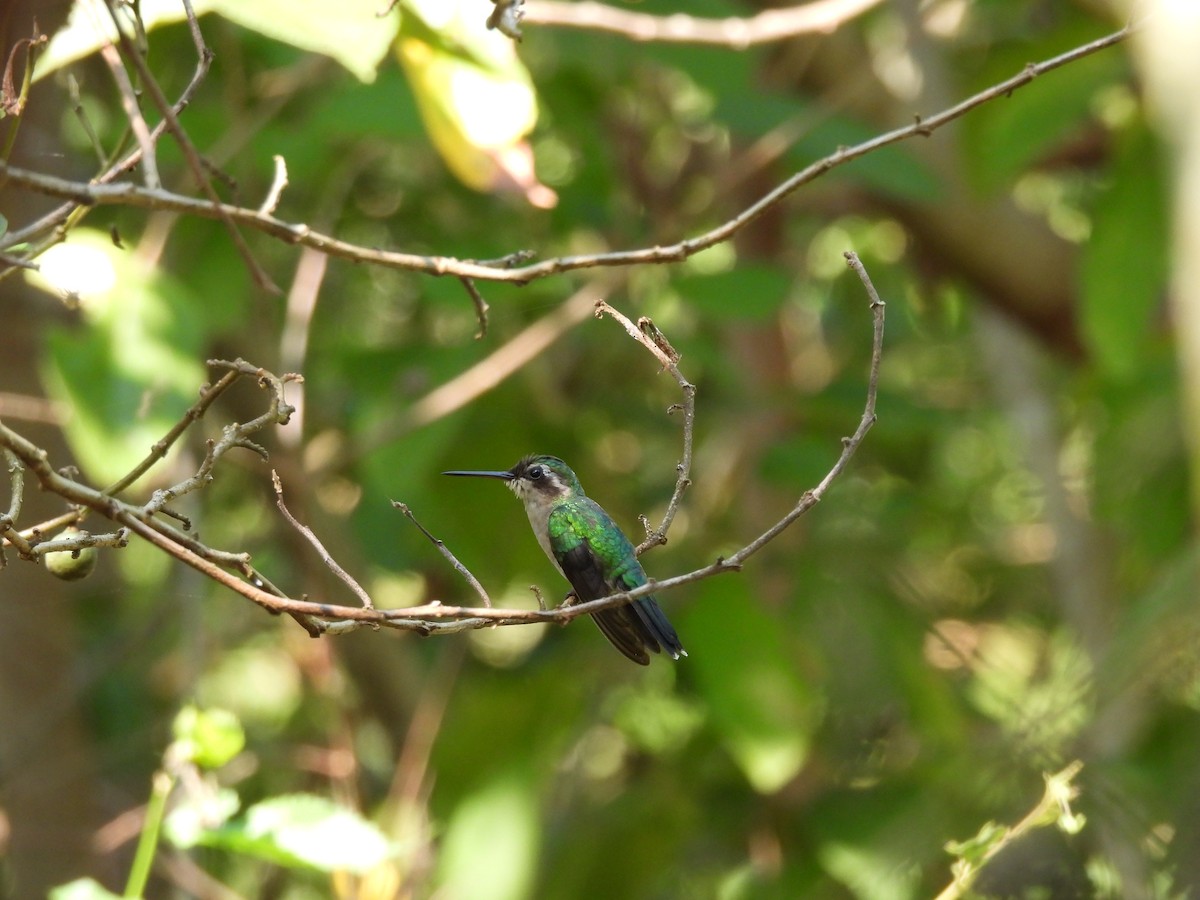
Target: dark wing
x=598, y=560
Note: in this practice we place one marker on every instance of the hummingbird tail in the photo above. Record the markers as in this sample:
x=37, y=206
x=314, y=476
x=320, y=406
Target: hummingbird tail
x=658, y=627
x=637, y=628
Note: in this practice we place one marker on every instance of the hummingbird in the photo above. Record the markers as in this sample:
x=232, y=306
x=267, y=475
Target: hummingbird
x=590, y=551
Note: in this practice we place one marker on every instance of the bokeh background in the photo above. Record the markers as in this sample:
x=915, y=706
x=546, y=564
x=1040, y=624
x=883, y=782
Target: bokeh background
x=1001, y=583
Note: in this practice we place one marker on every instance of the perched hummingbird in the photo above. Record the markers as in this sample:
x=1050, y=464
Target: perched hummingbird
x=591, y=552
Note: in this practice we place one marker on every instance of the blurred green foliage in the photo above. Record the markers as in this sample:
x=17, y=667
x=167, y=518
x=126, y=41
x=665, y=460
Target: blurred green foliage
x=1002, y=582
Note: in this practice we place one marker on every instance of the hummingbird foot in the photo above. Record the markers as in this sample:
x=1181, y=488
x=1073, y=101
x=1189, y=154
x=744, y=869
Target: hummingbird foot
x=570, y=600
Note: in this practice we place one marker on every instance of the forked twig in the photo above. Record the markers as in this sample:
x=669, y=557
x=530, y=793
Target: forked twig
x=647, y=334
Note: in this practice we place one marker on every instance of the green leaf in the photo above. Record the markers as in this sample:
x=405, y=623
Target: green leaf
x=974, y=849
x=210, y=738
x=1124, y=267
x=303, y=831
x=82, y=889
x=765, y=711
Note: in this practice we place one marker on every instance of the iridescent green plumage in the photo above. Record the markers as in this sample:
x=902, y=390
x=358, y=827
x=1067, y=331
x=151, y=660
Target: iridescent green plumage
x=591, y=552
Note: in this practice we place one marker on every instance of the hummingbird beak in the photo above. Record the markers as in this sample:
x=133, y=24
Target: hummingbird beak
x=506, y=476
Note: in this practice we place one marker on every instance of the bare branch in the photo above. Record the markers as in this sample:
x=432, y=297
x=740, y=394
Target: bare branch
x=739, y=33
x=129, y=194
x=79, y=540
x=133, y=112
x=481, y=306
x=16, y=481
x=326, y=557
x=51, y=228
x=190, y=153
x=279, y=182
x=234, y=435
x=445, y=551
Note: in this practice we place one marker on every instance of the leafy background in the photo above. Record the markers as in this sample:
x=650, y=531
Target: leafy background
x=1002, y=583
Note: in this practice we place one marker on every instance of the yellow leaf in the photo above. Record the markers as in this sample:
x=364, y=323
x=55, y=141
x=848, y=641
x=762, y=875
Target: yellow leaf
x=475, y=97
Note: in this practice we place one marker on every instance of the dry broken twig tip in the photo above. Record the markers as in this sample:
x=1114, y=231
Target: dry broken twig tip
x=326, y=556
x=649, y=336
x=445, y=551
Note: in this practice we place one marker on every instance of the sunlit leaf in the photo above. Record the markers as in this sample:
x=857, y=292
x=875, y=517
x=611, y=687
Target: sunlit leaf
x=974, y=849
x=349, y=31
x=131, y=368
x=82, y=889
x=89, y=27
x=475, y=96
x=303, y=831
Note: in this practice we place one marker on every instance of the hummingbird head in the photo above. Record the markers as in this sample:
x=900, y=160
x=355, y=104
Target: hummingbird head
x=536, y=480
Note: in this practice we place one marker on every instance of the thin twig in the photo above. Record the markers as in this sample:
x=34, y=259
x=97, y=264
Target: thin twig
x=1053, y=808
x=133, y=113
x=278, y=412
x=208, y=394
x=52, y=227
x=84, y=122
x=326, y=556
x=278, y=183
x=481, y=306
x=129, y=194
x=769, y=25
x=445, y=551
x=190, y=153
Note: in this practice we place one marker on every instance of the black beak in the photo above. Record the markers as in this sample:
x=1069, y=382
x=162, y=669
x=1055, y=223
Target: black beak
x=506, y=476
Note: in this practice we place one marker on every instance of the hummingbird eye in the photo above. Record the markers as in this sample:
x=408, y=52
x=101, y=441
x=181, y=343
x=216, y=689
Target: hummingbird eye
x=535, y=473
